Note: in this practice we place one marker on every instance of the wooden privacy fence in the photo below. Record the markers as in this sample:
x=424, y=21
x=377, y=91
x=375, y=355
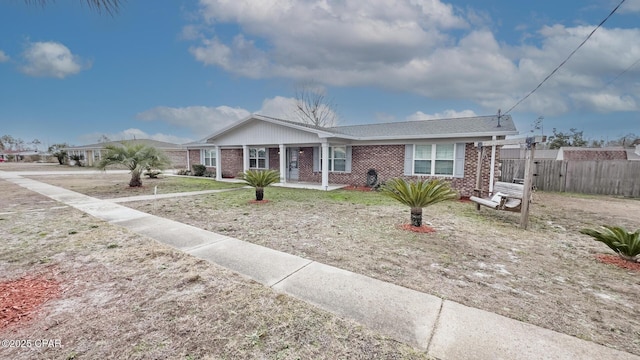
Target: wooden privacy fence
x=605, y=177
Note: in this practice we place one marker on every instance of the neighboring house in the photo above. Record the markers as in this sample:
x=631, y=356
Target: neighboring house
x=92, y=153
x=441, y=148
x=581, y=153
x=508, y=152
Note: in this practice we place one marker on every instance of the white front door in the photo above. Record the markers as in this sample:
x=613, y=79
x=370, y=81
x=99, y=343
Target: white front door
x=293, y=157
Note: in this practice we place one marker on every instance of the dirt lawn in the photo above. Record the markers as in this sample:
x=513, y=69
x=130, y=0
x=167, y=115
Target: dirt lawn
x=547, y=275
x=124, y=296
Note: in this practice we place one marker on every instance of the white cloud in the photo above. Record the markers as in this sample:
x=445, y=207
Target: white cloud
x=51, y=59
x=447, y=114
x=130, y=134
x=3, y=57
x=202, y=120
x=426, y=47
x=279, y=107
x=606, y=102
x=630, y=6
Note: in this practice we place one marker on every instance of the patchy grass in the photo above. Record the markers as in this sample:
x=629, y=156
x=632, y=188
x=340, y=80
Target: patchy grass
x=547, y=275
x=107, y=186
x=126, y=296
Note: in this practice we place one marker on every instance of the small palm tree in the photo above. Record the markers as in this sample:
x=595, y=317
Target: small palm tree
x=625, y=244
x=260, y=179
x=418, y=194
x=136, y=157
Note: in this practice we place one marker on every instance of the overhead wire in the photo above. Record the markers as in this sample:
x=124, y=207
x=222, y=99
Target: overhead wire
x=567, y=59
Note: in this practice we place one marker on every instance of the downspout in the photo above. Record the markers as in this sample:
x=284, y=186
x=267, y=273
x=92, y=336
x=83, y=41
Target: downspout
x=492, y=172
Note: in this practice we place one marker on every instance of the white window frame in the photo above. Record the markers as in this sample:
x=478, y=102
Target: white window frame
x=254, y=157
x=211, y=158
x=333, y=158
x=433, y=159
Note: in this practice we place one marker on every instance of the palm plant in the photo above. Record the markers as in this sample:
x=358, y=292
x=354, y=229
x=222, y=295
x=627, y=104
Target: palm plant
x=625, y=244
x=260, y=179
x=418, y=194
x=135, y=157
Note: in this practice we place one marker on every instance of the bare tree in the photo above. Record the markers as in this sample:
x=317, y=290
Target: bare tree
x=313, y=107
x=111, y=7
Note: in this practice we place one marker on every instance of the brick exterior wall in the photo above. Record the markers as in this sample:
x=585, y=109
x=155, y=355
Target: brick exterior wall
x=274, y=159
x=594, y=154
x=194, y=158
x=388, y=161
x=231, y=162
x=178, y=158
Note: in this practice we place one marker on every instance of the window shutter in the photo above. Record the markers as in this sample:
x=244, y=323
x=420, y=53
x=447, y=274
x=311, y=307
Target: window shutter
x=316, y=159
x=202, y=154
x=459, y=167
x=266, y=158
x=408, y=159
x=347, y=166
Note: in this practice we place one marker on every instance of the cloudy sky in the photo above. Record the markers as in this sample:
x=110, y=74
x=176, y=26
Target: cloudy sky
x=179, y=70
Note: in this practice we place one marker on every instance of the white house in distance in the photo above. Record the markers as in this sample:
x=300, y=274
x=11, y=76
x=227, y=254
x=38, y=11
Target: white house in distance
x=91, y=154
x=442, y=148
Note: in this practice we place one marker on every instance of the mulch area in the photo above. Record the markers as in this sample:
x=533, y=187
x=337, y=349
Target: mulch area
x=20, y=299
x=618, y=261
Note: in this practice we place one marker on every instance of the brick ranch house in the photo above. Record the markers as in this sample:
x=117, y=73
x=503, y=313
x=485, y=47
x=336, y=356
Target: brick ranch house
x=91, y=154
x=441, y=148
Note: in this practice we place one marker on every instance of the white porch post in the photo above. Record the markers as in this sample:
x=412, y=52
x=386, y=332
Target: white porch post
x=325, y=165
x=283, y=165
x=245, y=158
x=218, y=163
x=492, y=171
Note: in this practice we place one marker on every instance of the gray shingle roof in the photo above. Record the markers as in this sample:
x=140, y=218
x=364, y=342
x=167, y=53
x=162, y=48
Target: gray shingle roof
x=456, y=126
x=154, y=143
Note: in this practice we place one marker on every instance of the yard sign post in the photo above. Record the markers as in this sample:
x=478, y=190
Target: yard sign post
x=530, y=143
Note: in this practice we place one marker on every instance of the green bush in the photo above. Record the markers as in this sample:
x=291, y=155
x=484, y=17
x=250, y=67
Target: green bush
x=418, y=194
x=625, y=244
x=260, y=179
x=198, y=169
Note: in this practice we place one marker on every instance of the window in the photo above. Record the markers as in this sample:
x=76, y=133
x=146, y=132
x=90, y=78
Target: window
x=434, y=159
x=97, y=155
x=258, y=158
x=79, y=153
x=337, y=159
x=209, y=157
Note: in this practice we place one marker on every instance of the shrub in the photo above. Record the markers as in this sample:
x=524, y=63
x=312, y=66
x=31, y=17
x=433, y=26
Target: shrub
x=625, y=244
x=260, y=179
x=198, y=169
x=418, y=194
x=184, y=172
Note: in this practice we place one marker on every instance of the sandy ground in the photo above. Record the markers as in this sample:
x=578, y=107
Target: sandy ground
x=124, y=296
x=547, y=275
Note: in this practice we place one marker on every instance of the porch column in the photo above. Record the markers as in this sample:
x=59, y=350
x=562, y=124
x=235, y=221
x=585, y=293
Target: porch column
x=283, y=165
x=492, y=171
x=245, y=158
x=325, y=166
x=218, y=163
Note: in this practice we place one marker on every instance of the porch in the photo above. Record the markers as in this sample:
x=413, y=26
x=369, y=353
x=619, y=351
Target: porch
x=294, y=185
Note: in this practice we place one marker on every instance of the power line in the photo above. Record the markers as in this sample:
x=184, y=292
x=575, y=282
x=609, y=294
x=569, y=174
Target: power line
x=567, y=59
x=622, y=73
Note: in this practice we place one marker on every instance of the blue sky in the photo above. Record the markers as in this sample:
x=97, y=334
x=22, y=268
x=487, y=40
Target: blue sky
x=179, y=70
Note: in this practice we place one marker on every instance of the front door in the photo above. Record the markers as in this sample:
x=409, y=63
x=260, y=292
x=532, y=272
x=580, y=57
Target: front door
x=293, y=156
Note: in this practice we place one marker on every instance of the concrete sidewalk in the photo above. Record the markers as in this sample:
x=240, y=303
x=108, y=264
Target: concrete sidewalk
x=442, y=328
